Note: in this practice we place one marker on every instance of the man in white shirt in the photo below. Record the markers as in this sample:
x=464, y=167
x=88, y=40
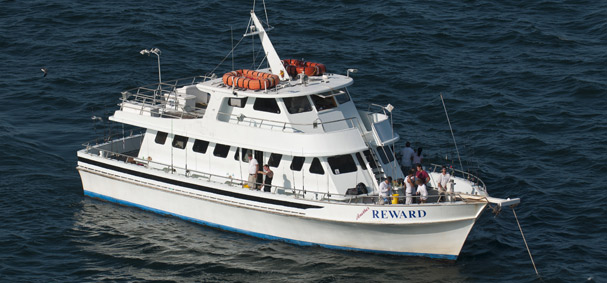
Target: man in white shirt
x=443, y=183
x=406, y=157
x=384, y=190
x=253, y=168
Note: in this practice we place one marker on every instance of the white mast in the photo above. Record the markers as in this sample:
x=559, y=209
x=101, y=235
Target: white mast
x=275, y=65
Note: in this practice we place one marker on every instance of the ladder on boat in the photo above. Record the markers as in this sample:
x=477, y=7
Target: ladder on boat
x=374, y=165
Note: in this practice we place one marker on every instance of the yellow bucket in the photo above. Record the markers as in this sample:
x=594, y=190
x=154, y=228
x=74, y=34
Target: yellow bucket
x=395, y=199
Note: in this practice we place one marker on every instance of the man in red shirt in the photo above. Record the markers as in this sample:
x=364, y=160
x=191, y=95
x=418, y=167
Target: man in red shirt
x=422, y=175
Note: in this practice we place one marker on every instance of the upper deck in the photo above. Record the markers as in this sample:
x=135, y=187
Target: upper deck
x=312, y=115
x=288, y=88
x=320, y=108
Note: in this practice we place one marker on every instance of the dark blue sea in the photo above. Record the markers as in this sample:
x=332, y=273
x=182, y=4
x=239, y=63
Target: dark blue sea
x=524, y=83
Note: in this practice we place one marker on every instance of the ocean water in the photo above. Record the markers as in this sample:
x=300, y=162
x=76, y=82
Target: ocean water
x=524, y=84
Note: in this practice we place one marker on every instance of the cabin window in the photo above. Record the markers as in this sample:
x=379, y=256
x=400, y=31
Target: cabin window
x=245, y=152
x=202, y=98
x=343, y=97
x=369, y=158
x=298, y=104
x=237, y=102
x=237, y=154
x=266, y=105
x=274, y=160
x=161, y=137
x=297, y=163
x=385, y=154
x=221, y=150
x=200, y=146
x=316, y=167
x=361, y=161
x=341, y=164
x=180, y=141
x=323, y=103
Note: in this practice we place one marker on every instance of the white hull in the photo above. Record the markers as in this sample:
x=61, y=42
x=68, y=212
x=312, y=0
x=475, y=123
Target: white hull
x=432, y=230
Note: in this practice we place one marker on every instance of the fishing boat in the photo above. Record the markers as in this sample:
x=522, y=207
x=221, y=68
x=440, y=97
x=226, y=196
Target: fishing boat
x=198, y=138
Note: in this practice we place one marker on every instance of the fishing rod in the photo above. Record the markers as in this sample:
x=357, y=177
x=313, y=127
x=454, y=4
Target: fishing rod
x=452, y=135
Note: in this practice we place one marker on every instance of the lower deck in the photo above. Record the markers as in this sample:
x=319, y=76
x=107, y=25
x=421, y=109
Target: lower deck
x=127, y=151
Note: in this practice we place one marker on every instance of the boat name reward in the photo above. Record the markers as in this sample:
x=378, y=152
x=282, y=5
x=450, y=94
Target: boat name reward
x=398, y=214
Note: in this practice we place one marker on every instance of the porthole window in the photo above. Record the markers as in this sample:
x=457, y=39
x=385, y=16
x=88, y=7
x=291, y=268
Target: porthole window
x=298, y=104
x=266, y=105
x=316, y=167
x=274, y=160
x=341, y=164
x=180, y=141
x=161, y=137
x=297, y=163
x=221, y=150
x=200, y=146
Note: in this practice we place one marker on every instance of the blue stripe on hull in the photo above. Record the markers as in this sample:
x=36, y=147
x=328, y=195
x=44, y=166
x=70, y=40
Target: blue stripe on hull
x=259, y=235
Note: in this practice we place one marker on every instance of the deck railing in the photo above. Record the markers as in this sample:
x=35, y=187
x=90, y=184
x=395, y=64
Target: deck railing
x=232, y=181
x=352, y=122
x=154, y=98
x=479, y=184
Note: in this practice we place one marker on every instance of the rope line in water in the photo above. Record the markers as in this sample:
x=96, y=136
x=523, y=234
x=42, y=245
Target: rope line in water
x=524, y=240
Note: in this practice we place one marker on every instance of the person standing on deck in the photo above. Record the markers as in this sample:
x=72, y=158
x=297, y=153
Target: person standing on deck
x=421, y=174
x=409, y=185
x=267, y=182
x=443, y=181
x=422, y=191
x=418, y=157
x=253, y=168
x=406, y=157
x=384, y=190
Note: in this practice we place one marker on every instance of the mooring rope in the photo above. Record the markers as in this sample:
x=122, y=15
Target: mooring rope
x=524, y=240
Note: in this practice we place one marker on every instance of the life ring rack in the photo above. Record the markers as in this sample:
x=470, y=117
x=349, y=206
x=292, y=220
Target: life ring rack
x=249, y=79
x=294, y=67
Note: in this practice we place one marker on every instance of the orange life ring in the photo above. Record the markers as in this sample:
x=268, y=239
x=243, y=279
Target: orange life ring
x=250, y=79
x=294, y=67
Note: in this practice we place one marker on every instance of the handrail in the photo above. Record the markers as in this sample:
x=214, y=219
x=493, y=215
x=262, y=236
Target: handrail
x=466, y=175
x=448, y=197
x=156, y=95
x=378, y=106
x=109, y=138
x=197, y=112
x=232, y=181
x=197, y=174
x=176, y=84
x=240, y=118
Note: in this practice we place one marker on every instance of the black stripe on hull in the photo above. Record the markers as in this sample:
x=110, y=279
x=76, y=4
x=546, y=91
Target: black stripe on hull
x=198, y=187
